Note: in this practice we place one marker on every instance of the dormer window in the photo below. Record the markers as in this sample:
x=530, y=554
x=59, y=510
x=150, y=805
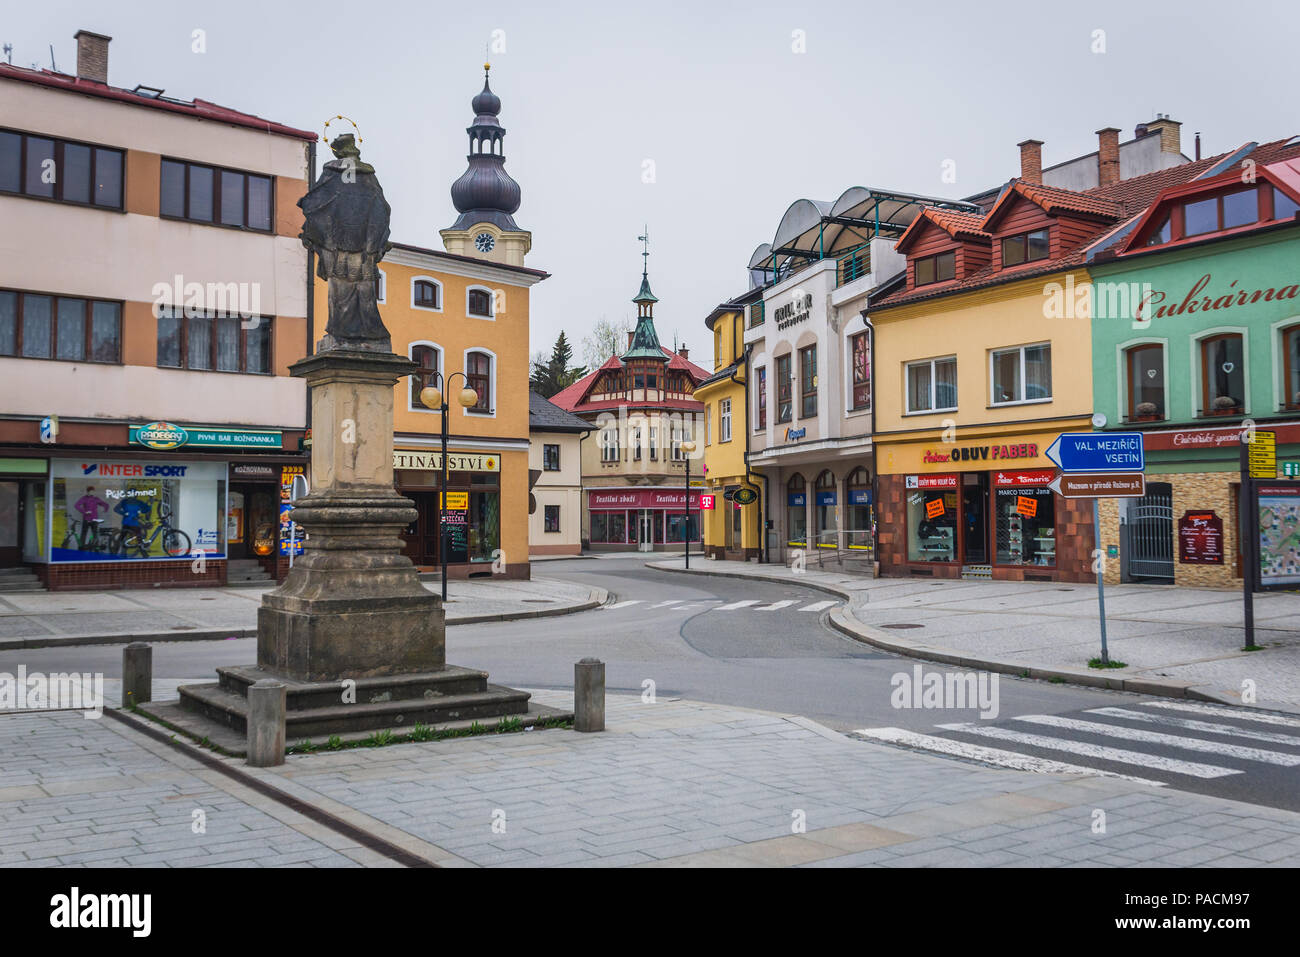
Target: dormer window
x=937, y=268
x=1025, y=248
x=1161, y=235
x=1284, y=207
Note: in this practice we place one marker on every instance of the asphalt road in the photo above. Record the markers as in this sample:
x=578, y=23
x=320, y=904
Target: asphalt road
x=768, y=646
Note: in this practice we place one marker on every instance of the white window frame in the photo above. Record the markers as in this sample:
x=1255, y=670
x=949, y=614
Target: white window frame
x=993, y=400
x=609, y=450
x=1198, y=379
x=442, y=372
x=724, y=420
x=492, y=381
x=634, y=440
x=766, y=380
x=442, y=294
x=934, y=386
x=492, y=302
x=654, y=442
x=1121, y=369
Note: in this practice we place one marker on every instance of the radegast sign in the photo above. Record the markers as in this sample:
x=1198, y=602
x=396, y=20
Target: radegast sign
x=164, y=436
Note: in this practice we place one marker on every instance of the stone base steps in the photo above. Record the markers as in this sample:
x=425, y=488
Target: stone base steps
x=240, y=571
x=19, y=580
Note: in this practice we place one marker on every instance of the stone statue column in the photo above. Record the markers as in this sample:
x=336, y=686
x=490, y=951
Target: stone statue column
x=353, y=605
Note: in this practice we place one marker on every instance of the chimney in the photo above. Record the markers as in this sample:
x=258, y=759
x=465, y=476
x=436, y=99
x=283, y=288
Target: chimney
x=681, y=351
x=1170, y=139
x=1107, y=156
x=1198, y=146
x=630, y=333
x=1031, y=161
x=1140, y=131
x=92, y=56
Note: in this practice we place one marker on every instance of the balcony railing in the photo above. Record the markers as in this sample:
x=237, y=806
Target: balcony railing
x=852, y=265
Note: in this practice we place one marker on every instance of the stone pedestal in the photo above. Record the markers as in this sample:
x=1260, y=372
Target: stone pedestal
x=352, y=606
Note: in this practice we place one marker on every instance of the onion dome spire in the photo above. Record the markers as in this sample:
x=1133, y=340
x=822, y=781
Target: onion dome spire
x=485, y=193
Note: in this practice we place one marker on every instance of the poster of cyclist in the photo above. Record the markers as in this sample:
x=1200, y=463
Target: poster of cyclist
x=124, y=511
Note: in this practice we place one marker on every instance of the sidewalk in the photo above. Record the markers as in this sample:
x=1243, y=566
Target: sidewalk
x=43, y=619
x=670, y=783
x=1182, y=642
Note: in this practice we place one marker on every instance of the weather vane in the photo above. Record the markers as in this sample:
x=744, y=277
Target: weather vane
x=325, y=136
x=645, y=252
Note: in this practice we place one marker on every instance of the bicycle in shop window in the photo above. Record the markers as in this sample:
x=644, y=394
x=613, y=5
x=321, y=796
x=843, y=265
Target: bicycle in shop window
x=175, y=543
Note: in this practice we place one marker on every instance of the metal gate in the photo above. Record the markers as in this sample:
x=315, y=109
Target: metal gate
x=1149, y=535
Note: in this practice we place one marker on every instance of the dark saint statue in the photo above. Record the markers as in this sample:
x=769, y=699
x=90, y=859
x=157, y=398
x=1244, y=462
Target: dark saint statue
x=346, y=226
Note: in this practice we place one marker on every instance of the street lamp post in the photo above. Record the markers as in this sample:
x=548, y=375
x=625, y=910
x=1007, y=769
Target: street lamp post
x=432, y=396
x=688, y=447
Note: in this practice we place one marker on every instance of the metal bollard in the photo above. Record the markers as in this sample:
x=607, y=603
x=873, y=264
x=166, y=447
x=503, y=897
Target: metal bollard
x=266, y=706
x=137, y=674
x=589, y=695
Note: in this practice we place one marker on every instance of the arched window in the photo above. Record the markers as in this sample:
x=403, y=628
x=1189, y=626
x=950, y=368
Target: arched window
x=796, y=509
x=426, y=294
x=426, y=357
x=1291, y=368
x=479, y=303
x=1144, y=367
x=1223, y=378
x=478, y=373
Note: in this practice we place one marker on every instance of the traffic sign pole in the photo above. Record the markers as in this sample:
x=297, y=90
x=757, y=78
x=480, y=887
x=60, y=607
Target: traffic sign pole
x=1244, y=547
x=1101, y=586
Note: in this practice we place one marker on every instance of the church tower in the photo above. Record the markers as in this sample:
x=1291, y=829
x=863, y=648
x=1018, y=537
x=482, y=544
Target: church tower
x=485, y=195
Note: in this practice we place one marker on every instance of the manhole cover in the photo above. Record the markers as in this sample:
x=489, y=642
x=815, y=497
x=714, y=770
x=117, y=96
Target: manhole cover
x=1065, y=589
x=902, y=624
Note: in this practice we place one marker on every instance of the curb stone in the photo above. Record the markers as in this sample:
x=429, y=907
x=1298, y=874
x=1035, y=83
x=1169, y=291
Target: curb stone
x=595, y=598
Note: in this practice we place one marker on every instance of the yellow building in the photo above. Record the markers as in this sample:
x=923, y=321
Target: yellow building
x=733, y=528
x=463, y=319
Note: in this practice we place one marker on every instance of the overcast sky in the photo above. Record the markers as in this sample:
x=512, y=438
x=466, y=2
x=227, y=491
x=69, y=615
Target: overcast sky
x=736, y=122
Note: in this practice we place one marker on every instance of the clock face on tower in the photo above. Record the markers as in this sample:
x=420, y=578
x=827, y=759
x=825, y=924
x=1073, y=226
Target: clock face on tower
x=484, y=242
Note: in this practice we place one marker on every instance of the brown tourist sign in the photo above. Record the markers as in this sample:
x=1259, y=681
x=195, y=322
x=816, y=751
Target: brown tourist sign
x=1100, y=485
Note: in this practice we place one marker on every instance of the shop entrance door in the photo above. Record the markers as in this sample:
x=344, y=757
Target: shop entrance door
x=1149, y=535
x=11, y=525
x=975, y=518
x=646, y=527
x=251, y=517
x=420, y=538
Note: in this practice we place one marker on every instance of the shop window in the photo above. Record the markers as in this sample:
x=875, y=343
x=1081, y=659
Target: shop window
x=133, y=511
x=939, y=268
x=860, y=350
x=826, y=503
x=478, y=375
x=808, y=382
x=426, y=294
x=479, y=303
x=61, y=170
x=724, y=420
x=676, y=522
x=552, y=518
x=932, y=385
x=1022, y=374
x=426, y=357
x=1291, y=368
x=208, y=194
x=1025, y=248
x=1144, y=367
x=1026, y=526
x=60, y=327
x=1223, y=379
x=609, y=527
x=484, y=522
x=860, y=517
x=202, y=341
x=932, y=519
x=796, y=502
x=550, y=458
x=784, y=389
x=760, y=414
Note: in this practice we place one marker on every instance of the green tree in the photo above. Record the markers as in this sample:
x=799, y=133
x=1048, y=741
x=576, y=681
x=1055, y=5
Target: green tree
x=555, y=374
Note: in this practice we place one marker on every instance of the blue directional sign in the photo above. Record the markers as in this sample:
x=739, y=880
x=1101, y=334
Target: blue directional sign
x=1098, y=452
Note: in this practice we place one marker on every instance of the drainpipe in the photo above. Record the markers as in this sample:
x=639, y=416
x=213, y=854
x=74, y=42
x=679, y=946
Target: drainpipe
x=875, y=469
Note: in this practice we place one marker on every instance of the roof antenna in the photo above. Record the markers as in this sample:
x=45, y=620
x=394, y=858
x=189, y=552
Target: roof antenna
x=52, y=66
x=9, y=53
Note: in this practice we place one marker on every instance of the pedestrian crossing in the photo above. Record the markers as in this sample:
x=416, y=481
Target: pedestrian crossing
x=1153, y=742
x=745, y=604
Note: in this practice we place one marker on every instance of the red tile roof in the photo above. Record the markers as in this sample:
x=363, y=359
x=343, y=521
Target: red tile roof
x=572, y=398
x=201, y=109
x=955, y=224
x=1124, y=200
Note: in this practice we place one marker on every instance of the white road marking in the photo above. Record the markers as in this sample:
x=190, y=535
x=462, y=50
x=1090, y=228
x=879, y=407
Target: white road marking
x=976, y=752
x=743, y=603
x=1208, y=727
x=624, y=604
x=777, y=605
x=817, y=606
x=1244, y=714
x=669, y=603
x=1100, y=752
x=1222, y=748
